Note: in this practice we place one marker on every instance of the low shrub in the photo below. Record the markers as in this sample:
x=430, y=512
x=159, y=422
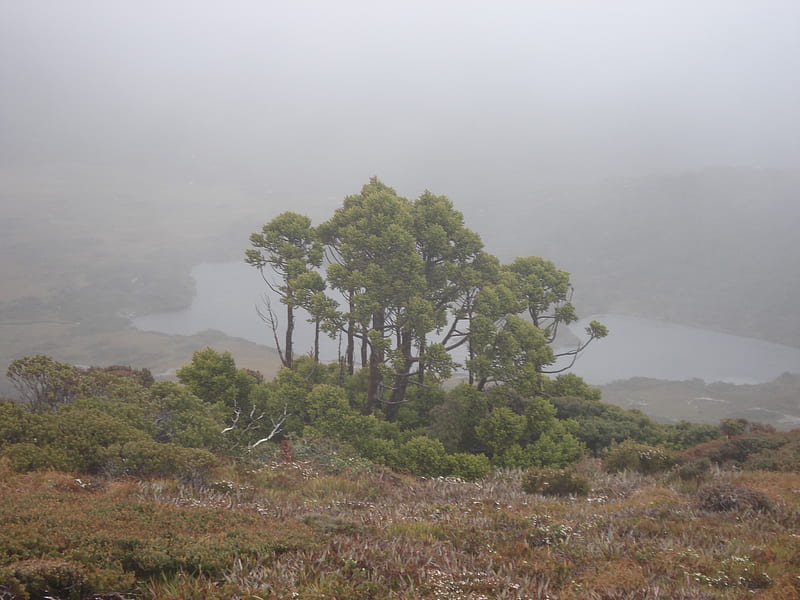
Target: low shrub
x=739, y=449
x=45, y=578
x=147, y=458
x=725, y=497
x=470, y=466
x=26, y=456
x=425, y=457
x=694, y=471
x=634, y=456
x=555, y=482
x=785, y=458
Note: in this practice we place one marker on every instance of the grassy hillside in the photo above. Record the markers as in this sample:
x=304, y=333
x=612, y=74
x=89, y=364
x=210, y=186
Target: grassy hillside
x=293, y=529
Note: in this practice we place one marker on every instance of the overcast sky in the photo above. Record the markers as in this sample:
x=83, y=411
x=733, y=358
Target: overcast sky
x=316, y=96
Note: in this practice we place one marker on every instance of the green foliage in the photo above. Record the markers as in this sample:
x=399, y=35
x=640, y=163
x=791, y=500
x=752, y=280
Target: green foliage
x=455, y=420
x=290, y=247
x=27, y=456
x=557, y=447
x=81, y=436
x=785, y=457
x=179, y=417
x=212, y=376
x=600, y=424
x=733, y=427
x=147, y=458
x=43, y=383
x=500, y=430
x=15, y=423
x=511, y=351
x=469, y=466
x=424, y=457
x=570, y=385
x=45, y=578
x=633, y=456
x=695, y=471
x=554, y=482
x=684, y=434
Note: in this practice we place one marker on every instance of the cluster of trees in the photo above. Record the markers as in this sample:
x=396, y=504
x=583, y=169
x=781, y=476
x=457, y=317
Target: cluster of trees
x=403, y=284
x=118, y=421
x=406, y=284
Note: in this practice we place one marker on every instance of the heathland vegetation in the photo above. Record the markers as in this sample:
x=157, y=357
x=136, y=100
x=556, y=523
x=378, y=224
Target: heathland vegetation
x=378, y=476
x=115, y=486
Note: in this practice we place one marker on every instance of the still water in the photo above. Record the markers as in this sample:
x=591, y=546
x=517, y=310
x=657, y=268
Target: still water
x=228, y=294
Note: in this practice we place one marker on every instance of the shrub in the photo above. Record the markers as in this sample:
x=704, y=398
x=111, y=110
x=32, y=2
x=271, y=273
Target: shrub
x=147, y=458
x=739, y=449
x=45, y=578
x=425, y=457
x=555, y=482
x=694, y=471
x=785, y=458
x=633, y=456
x=724, y=497
x=26, y=457
x=470, y=466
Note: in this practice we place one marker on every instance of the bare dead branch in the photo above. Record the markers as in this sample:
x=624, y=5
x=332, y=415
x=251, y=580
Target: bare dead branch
x=276, y=427
x=271, y=321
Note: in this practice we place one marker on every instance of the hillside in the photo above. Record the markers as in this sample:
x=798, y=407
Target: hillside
x=776, y=403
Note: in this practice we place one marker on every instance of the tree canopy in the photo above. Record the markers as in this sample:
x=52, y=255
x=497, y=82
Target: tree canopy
x=405, y=285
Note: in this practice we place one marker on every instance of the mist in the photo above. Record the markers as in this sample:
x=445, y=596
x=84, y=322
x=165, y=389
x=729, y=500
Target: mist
x=650, y=148
x=480, y=102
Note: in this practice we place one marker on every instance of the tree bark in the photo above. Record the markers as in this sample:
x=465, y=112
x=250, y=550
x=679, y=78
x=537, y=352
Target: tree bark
x=400, y=379
x=376, y=358
x=289, y=334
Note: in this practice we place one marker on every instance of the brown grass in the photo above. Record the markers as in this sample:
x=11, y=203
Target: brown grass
x=378, y=535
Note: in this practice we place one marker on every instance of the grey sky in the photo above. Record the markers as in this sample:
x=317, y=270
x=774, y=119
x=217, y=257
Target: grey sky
x=314, y=97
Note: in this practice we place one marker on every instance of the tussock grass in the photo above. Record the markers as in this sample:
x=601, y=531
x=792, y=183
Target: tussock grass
x=369, y=535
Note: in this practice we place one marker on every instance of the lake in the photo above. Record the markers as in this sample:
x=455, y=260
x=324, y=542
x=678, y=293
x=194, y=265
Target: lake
x=228, y=293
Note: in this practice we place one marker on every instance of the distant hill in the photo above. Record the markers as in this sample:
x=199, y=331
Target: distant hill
x=718, y=249
x=775, y=403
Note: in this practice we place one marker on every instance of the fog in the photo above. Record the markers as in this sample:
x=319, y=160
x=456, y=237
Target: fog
x=648, y=147
x=480, y=101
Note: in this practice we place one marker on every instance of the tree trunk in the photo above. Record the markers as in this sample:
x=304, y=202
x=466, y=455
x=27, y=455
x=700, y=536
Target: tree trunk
x=289, y=334
x=351, y=342
x=316, y=341
x=421, y=374
x=364, y=346
x=400, y=379
x=375, y=386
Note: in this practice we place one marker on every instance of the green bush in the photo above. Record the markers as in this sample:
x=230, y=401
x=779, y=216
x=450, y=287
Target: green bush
x=630, y=455
x=147, y=458
x=26, y=457
x=470, y=466
x=554, y=482
x=83, y=435
x=45, y=578
x=424, y=457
